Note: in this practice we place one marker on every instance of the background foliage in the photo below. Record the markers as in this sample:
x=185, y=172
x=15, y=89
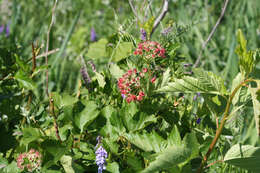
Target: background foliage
x=136, y=136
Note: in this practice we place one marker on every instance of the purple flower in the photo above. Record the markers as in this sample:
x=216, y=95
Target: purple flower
x=198, y=120
x=101, y=156
x=123, y=96
x=93, y=35
x=196, y=96
x=143, y=34
x=2, y=28
x=7, y=30
x=166, y=31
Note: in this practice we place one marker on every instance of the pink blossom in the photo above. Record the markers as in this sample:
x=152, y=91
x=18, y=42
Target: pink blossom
x=153, y=79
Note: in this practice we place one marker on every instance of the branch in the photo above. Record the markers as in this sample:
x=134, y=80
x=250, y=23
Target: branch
x=47, y=45
x=161, y=15
x=48, y=53
x=211, y=34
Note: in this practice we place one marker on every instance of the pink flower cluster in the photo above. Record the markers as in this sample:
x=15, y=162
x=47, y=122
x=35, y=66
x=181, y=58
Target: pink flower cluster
x=150, y=49
x=29, y=161
x=130, y=86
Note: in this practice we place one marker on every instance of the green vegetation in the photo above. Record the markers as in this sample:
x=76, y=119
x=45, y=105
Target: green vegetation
x=113, y=90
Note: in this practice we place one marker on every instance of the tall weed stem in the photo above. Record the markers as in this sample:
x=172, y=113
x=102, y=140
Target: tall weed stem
x=223, y=121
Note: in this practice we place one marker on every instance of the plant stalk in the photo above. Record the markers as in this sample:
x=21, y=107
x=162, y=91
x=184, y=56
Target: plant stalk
x=219, y=130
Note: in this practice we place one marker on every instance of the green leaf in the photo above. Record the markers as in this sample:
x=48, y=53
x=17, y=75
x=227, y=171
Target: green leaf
x=166, y=77
x=170, y=157
x=147, y=141
x=117, y=123
x=66, y=162
x=205, y=82
x=175, y=155
x=236, y=81
x=115, y=71
x=97, y=50
x=24, y=67
x=89, y=114
x=100, y=79
x=258, y=95
x=122, y=50
x=63, y=100
x=68, y=99
x=191, y=142
x=11, y=168
x=113, y=167
x=256, y=105
x=24, y=80
x=139, y=121
x=3, y=161
x=241, y=40
x=55, y=148
x=174, y=137
x=244, y=156
x=212, y=81
x=246, y=58
x=29, y=135
x=134, y=161
x=63, y=131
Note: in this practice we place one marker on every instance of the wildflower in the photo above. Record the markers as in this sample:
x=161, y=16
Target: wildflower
x=129, y=85
x=196, y=96
x=153, y=79
x=93, y=35
x=5, y=29
x=150, y=49
x=198, y=120
x=101, y=156
x=29, y=161
x=84, y=74
x=143, y=34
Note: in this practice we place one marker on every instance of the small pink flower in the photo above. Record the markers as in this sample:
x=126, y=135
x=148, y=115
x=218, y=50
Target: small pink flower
x=150, y=49
x=141, y=93
x=139, y=98
x=29, y=161
x=128, y=99
x=153, y=79
x=145, y=70
x=130, y=72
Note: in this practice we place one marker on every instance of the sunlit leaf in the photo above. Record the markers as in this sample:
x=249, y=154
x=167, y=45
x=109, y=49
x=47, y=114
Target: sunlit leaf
x=244, y=156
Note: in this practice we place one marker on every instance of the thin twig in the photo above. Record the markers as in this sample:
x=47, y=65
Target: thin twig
x=47, y=46
x=49, y=53
x=44, y=54
x=217, y=161
x=211, y=34
x=133, y=8
x=161, y=16
x=33, y=58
